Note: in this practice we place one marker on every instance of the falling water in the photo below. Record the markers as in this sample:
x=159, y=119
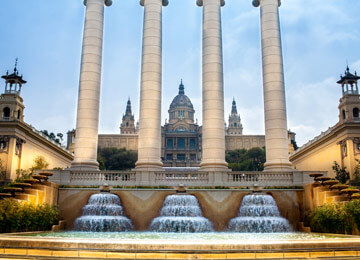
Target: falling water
x=259, y=214
x=181, y=213
x=103, y=213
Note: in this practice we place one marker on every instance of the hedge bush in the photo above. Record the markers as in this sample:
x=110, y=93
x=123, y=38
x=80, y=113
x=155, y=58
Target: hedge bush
x=21, y=217
x=335, y=218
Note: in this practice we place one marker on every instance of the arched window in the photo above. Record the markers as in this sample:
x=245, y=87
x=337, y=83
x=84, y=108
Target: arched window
x=356, y=112
x=235, y=124
x=343, y=115
x=127, y=123
x=6, y=113
x=18, y=114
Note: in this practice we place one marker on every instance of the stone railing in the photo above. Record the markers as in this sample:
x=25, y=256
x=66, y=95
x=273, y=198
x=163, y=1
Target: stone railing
x=171, y=177
x=261, y=178
x=176, y=178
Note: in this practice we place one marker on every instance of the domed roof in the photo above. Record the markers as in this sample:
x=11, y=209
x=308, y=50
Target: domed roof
x=181, y=100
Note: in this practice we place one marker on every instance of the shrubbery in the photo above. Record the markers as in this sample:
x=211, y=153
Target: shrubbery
x=335, y=218
x=22, y=217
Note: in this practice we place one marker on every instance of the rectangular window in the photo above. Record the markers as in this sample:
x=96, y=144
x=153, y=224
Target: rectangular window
x=193, y=157
x=169, y=143
x=192, y=143
x=180, y=157
x=181, y=143
x=169, y=157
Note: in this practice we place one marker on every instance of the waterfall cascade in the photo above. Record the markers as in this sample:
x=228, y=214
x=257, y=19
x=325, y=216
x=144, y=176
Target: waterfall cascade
x=181, y=213
x=259, y=213
x=103, y=213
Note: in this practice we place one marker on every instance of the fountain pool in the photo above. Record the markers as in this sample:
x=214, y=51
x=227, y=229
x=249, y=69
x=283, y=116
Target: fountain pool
x=181, y=213
x=207, y=236
x=103, y=213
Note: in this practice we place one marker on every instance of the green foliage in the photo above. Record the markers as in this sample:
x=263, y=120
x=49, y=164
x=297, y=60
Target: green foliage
x=22, y=175
x=342, y=175
x=22, y=217
x=329, y=218
x=40, y=163
x=246, y=160
x=356, y=176
x=352, y=211
x=58, y=138
x=116, y=159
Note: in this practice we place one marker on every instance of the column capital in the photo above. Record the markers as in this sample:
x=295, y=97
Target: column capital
x=107, y=2
x=256, y=3
x=164, y=2
x=200, y=2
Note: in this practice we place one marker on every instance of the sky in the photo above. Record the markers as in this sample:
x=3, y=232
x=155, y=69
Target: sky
x=319, y=39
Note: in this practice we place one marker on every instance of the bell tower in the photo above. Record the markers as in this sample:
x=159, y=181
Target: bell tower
x=128, y=121
x=350, y=101
x=11, y=103
x=235, y=126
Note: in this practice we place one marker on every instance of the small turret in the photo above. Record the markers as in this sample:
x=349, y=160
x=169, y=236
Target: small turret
x=350, y=102
x=11, y=103
x=13, y=82
x=349, y=83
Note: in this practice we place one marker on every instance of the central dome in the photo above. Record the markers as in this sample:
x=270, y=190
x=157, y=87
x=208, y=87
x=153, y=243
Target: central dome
x=181, y=100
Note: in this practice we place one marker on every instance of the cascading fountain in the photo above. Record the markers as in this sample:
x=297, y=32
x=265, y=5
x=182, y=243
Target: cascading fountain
x=103, y=213
x=181, y=213
x=259, y=213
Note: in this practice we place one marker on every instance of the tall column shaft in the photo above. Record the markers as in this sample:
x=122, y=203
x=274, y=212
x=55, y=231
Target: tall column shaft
x=276, y=134
x=213, y=132
x=149, y=142
x=87, y=120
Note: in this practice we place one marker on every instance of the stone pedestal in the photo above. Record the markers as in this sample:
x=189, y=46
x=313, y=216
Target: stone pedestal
x=87, y=121
x=213, y=132
x=149, y=141
x=276, y=134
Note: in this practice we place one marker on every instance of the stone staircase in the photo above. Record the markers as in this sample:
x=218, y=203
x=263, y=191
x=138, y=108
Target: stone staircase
x=36, y=190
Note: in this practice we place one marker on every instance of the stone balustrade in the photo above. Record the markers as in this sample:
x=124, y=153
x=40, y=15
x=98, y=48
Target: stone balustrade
x=181, y=177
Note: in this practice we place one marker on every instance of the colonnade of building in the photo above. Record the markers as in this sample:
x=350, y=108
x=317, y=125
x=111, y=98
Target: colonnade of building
x=213, y=139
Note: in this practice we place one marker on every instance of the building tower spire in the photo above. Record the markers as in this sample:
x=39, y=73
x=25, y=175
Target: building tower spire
x=181, y=88
x=128, y=120
x=235, y=127
x=233, y=108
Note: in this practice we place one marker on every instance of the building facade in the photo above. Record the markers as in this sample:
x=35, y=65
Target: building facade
x=181, y=136
x=341, y=142
x=20, y=143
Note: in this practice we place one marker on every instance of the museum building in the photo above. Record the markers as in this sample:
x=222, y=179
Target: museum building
x=181, y=134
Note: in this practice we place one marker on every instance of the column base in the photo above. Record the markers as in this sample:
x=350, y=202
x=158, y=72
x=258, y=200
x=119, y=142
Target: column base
x=148, y=166
x=276, y=166
x=85, y=166
x=214, y=166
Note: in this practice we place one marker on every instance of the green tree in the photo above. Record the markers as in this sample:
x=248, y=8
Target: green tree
x=246, y=160
x=116, y=159
x=40, y=163
x=342, y=175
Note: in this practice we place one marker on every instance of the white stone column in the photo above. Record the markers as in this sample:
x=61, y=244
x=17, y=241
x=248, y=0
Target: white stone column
x=276, y=134
x=149, y=142
x=213, y=132
x=87, y=120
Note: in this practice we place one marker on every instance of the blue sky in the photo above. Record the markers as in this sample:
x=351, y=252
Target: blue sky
x=318, y=38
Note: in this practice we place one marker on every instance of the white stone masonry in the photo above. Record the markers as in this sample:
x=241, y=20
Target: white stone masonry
x=276, y=134
x=87, y=120
x=213, y=133
x=149, y=142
